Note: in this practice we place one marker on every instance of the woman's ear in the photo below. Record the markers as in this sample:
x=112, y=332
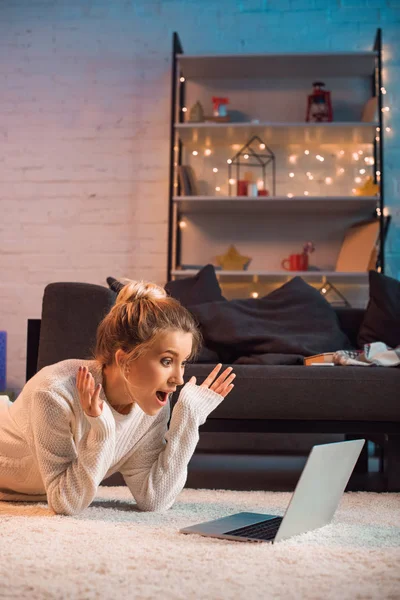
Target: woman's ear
x=120, y=358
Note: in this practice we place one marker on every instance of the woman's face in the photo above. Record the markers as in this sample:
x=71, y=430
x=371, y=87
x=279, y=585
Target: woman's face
x=158, y=372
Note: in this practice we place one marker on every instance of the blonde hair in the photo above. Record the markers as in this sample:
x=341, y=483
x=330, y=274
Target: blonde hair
x=141, y=312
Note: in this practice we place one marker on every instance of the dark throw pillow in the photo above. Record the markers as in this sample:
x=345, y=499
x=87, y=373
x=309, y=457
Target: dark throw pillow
x=382, y=316
x=202, y=287
x=294, y=319
x=114, y=285
x=199, y=289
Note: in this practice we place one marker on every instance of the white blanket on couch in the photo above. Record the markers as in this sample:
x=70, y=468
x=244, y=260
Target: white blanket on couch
x=377, y=353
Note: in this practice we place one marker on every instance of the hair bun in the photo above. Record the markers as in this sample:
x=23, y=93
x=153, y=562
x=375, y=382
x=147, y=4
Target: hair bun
x=138, y=290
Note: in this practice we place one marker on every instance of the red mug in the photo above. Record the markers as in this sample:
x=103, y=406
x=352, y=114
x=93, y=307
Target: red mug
x=296, y=262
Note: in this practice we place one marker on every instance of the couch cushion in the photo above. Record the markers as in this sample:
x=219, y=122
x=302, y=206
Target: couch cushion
x=382, y=318
x=294, y=319
x=307, y=393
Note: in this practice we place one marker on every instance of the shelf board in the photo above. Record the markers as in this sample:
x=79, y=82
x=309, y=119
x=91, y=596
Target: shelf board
x=246, y=66
x=336, y=276
x=357, y=205
x=344, y=133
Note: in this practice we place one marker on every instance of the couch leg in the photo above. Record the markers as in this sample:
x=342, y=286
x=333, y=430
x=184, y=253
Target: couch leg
x=392, y=462
x=362, y=462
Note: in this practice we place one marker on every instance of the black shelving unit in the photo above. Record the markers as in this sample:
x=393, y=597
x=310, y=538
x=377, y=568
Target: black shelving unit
x=372, y=59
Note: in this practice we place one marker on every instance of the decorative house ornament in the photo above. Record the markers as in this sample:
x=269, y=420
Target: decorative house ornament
x=232, y=260
x=319, y=107
x=250, y=156
x=196, y=113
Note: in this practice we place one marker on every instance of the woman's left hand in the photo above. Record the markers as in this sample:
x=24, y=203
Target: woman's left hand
x=222, y=385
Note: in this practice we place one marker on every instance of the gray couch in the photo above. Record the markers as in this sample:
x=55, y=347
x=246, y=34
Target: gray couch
x=267, y=399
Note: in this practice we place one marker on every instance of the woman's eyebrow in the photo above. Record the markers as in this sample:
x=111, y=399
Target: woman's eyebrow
x=173, y=352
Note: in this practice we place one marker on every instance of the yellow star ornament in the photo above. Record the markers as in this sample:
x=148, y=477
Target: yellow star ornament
x=368, y=189
x=232, y=260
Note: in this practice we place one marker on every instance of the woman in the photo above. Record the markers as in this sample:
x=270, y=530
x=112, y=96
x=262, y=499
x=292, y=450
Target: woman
x=77, y=422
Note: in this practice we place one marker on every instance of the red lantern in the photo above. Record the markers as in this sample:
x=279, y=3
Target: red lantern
x=319, y=107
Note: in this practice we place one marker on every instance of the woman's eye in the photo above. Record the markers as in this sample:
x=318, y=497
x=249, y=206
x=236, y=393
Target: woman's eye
x=166, y=362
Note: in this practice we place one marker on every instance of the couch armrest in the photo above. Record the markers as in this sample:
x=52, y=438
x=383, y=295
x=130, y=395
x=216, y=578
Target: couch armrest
x=71, y=314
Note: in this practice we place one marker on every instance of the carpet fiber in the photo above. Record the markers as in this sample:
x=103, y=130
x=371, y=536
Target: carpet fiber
x=113, y=551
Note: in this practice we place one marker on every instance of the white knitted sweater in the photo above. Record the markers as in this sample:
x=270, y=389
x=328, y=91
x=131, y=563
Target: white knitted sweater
x=51, y=450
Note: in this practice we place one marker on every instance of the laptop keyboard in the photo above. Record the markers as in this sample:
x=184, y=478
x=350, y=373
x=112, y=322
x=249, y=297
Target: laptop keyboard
x=264, y=530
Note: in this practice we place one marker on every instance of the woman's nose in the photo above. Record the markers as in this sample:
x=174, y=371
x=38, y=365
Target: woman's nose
x=178, y=377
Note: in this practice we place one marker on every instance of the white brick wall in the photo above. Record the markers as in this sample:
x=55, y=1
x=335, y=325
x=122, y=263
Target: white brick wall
x=84, y=127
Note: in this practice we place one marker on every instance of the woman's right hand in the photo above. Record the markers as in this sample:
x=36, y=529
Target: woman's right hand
x=89, y=394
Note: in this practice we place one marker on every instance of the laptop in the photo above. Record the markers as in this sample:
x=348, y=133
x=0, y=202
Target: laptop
x=312, y=505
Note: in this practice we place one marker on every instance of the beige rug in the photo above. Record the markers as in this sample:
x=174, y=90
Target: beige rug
x=113, y=551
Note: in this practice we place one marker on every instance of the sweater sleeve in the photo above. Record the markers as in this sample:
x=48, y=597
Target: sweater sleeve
x=71, y=474
x=157, y=470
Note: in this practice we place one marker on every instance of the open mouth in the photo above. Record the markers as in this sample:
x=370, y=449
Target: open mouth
x=162, y=397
